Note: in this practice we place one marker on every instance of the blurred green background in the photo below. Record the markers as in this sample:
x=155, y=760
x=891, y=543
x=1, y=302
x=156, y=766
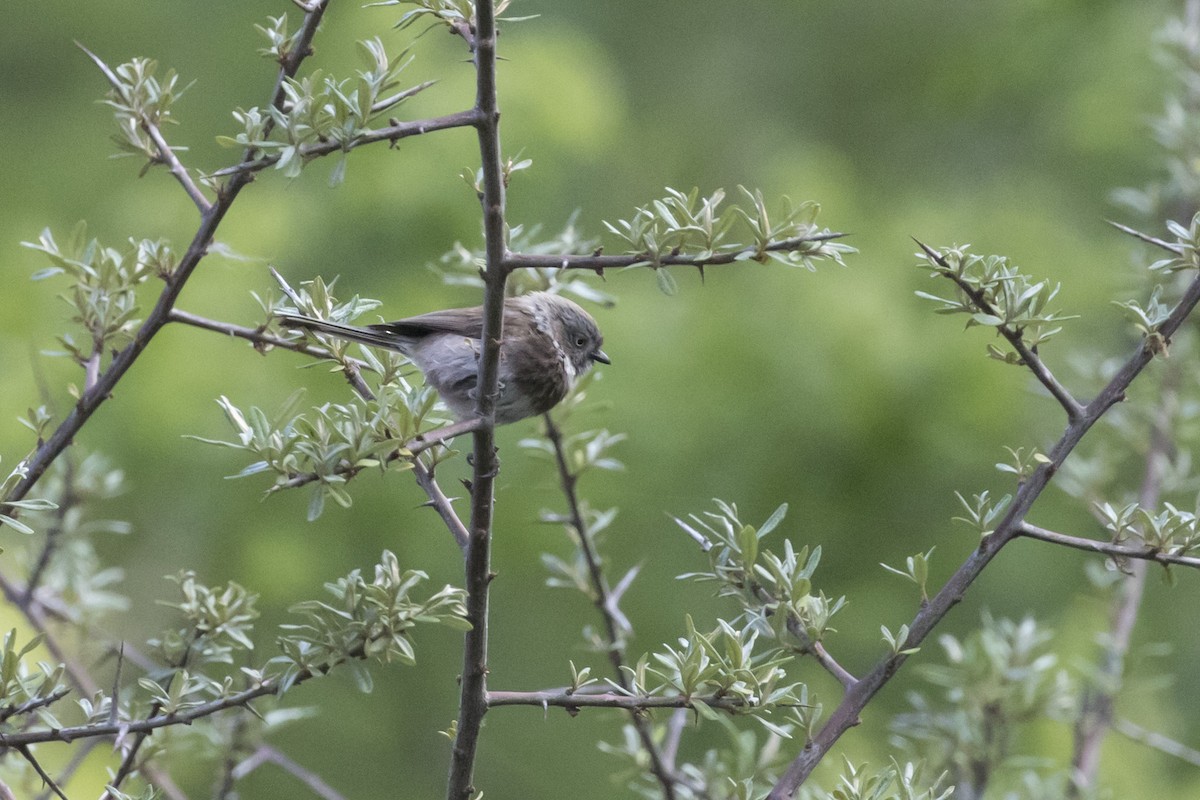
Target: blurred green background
x=1005, y=125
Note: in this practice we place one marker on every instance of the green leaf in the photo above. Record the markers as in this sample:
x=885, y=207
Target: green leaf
x=666, y=281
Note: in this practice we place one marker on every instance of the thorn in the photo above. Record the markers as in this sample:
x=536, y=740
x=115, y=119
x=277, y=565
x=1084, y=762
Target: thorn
x=933, y=254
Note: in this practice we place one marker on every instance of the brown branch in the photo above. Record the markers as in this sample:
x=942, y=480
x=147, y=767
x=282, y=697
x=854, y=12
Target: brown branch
x=562, y=698
x=478, y=574
x=606, y=602
x=598, y=263
x=1096, y=711
x=391, y=133
x=46, y=779
x=259, y=337
x=846, y=714
x=1115, y=551
x=1029, y=358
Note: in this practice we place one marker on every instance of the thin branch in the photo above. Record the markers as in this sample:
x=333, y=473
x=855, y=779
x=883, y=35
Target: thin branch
x=45, y=776
x=266, y=754
x=146, y=724
x=391, y=133
x=1096, y=711
x=598, y=263
x=166, y=155
x=54, y=532
x=846, y=714
x=606, y=601
x=1156, y=740
x=259, y=337
x=1145, y=237
x=562, y=698
x=33, y=704
x=1115, y=551
x=440, y=503
x=77, y=758
x=1028, y=357
x=477, y=568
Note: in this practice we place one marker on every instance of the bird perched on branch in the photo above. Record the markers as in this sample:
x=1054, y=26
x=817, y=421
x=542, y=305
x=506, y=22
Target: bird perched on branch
x=548, y=342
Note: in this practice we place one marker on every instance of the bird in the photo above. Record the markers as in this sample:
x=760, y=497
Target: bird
x=549, y=342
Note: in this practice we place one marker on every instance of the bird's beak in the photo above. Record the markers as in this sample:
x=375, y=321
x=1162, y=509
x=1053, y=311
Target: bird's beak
x=600, y=356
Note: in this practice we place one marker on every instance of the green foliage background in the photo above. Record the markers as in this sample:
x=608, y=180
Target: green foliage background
x=1003, y=125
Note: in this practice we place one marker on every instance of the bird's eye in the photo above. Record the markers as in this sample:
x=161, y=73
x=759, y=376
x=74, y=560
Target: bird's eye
x=580, y=341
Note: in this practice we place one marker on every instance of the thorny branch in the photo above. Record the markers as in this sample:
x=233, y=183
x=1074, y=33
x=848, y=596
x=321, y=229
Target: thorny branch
x=607, y=604
x=846, y=714
x=478, y=572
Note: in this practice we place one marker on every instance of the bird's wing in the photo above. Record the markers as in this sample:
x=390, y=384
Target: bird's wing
x=462, y=321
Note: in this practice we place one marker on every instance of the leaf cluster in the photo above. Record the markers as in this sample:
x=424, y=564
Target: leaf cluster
x=328, y=445
x=994, y=293
x=994, y=682
x=320, y=109
x=696, y=227
x=140, y=99
x=103, y=292
x=26, y=692
x=366, y=619
x=775, y=591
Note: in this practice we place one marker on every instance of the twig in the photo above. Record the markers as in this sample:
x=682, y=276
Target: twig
x=478, y=573
x=1096, y=705
x=391, y=133
x=166, y=155
x=562, y=698
x=1115, y=551
x=598, y=263
x=54, y=533
x=257, y=336
x=77, y=758
x=266, y=754
x=857, y=696
x=441, y=504
x=606, y=601
x=46, y=779
x=1145, y=237
x=1156, y=740
x=1028, y=357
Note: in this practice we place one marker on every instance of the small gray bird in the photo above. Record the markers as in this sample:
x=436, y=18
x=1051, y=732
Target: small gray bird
x=549, y=341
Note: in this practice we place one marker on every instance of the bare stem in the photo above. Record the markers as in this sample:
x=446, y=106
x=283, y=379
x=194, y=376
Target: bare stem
x=1116, y=551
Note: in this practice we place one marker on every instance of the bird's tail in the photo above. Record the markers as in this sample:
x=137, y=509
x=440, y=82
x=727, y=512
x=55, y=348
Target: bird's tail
x=353, y=333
